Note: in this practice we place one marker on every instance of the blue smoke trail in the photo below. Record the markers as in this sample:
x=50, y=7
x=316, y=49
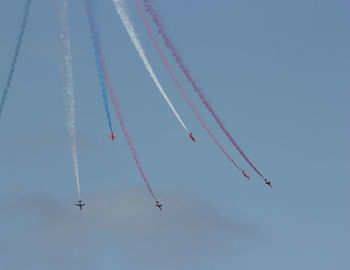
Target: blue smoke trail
x=99, y=57
x=14, y=60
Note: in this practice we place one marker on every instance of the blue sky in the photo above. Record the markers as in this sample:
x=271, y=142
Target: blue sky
x=277, y=74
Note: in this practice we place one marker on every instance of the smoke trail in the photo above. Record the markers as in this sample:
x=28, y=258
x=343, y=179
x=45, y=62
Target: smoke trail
x=64, y=39
x=128, y=138
x=116, y=104
x=14, y=60
x=99, y=58
x=121, y=9
x=185, y=70
x=171, y=72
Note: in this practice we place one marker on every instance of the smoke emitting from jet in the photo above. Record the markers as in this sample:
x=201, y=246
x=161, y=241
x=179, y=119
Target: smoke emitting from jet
x=64, y=39
x=171, y=72
x=123, y=14
x=170, y=45
x=114, y=99
x=99, y=57
x=14, y=60
x=126, y=133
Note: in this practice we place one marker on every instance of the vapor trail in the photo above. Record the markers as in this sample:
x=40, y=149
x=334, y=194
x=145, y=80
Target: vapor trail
x=64, y=39
x=121, y=9
x=14, y=60
x=116, y=104
x=168, y=42
x=99, y=58
x=171, y=72
x=128, y=138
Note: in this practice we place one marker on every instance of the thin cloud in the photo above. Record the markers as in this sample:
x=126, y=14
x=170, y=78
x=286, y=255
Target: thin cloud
x=123, y=225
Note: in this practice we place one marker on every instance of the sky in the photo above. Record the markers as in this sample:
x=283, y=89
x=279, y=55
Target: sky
x=276, y=72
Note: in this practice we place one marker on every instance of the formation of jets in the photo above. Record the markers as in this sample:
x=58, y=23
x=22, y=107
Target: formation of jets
x=80, y=205
x=113, y=137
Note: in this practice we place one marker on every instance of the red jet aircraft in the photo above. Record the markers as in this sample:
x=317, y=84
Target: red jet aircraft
x=267, y=182
x=159, y=205
x=191, y=137
x=113, y=137
x=246, y=175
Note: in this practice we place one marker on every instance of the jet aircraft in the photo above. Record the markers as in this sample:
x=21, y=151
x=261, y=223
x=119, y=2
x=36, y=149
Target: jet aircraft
x=191, y=137
x=113, y=137
x=80, y=205
x=267, y=182
x=159, y=205
x=246, y=175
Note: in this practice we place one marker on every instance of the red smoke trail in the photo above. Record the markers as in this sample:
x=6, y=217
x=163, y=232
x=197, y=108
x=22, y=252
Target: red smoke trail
x=125, y=131
x=103, y=70
x=187, y=73
x=166, y=63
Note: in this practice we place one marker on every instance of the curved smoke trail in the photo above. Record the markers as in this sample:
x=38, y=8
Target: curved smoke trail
x=117, y=107
x=128, y=138
x=185, y=70
x=171, y=72
x=99, y=58
x=14, y=60
x=64, y=38
x=121, y=9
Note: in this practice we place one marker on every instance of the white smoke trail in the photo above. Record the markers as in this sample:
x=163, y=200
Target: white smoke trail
x=122, y=11
x=64, y=38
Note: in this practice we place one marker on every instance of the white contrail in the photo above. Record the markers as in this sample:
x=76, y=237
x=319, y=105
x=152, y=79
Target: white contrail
x=122, y=11
x=64, y=38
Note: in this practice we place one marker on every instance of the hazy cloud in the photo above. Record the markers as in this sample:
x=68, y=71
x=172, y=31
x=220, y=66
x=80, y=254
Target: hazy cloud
x=116, y=228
